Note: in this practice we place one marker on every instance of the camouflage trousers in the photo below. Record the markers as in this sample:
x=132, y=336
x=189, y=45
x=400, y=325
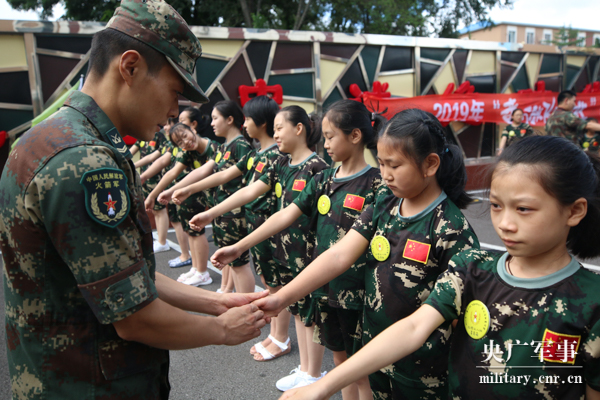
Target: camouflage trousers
x=338, y=329
x=262, y=253
x=228, y=230
x=305, y=308
x=386, y=388
x=193, y=205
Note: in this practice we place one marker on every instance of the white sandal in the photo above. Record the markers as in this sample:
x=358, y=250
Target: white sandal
x=266, y=355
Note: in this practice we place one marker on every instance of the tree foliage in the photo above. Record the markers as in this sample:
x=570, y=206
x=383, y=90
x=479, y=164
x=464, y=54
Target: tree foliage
x=566, y=37
x=393, y=17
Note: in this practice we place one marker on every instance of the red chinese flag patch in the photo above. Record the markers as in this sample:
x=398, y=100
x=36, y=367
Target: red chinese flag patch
x=152, y=143
x=260, y=167
x=354, y=202
x=523, y=131
x=416, y=251
x=559, y=348
x=299, y=185
x=227, y=155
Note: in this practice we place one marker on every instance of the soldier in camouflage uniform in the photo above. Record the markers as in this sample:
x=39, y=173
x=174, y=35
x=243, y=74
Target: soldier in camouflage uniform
x=564, y=123
x=78, y=265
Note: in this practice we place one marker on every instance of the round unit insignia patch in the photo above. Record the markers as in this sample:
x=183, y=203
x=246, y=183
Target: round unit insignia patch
x=324, y=204
x=380, y=247
x=218, y=157
x=142, y=143
x=477, y=319
x=196, y=164
x=250, y=163
x=278, y=189
x=175, y=151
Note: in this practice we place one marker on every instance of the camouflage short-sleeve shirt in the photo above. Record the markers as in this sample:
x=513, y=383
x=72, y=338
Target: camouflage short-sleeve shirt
x=333, y=205
x=519, y=338
x=253, y=165
x=293, y=246
x=228, y=155
x=406, y=256
x=77, y=250
x=565, y=124
x=513, y=134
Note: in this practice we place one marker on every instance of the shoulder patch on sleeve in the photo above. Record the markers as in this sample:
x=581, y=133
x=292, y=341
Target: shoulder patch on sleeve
x=106, y=195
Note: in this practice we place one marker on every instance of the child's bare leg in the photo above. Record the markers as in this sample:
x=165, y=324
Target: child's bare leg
x=301, y=333
x=243, y=278
x=199, y=249
x=356, y=390
x=161, y=218
x=315, y=352
x=182, y=240
x=226, y=280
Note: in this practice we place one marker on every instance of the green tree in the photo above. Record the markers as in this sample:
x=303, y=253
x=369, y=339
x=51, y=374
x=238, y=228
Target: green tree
x=392, y=17
x=566, y=37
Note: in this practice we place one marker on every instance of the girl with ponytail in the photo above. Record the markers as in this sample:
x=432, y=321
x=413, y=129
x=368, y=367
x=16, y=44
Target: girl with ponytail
x=409, y=237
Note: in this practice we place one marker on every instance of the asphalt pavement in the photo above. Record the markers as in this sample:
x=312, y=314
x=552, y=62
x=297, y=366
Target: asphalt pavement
x=229, y=372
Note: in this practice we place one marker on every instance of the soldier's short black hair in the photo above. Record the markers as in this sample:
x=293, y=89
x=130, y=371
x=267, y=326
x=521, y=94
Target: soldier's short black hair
x=347, y=115
x=564, y=95
x=297, y=115
x=110, y=43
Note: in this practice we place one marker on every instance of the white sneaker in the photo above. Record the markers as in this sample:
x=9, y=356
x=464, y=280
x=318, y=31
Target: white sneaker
x=160, y=247
x=187, y=275
x=288, y=382
x=307, y=380
x=199, y=279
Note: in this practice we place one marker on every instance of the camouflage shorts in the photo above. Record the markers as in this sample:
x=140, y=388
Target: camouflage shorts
x=172, y=211
x=147, y=188
x=304, y=307
x=185, y=212
x=386, y=388
x=230, y=230
x=262, y=254
x=338, y=329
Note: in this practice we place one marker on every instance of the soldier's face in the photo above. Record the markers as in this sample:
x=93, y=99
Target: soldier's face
x=155, y=99
x=531, y=223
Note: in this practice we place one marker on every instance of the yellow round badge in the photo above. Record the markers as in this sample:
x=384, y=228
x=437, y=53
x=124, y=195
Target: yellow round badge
x=324, y=204
x=142, y=143
x=477, y=319
x=512, y=133
x=380, y=247
x=175, y=151
x=586, y=145
x=163, y=150
x=250, y=163
x=278, y=189
x=196, y=164
x=218, y=157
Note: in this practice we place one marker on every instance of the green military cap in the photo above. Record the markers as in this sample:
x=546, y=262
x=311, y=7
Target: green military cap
x=157, y=24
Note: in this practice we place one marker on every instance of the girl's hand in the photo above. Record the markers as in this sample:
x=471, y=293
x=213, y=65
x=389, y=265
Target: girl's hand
x=200, y=221
x=143, y=179
x=164, y=197
x=180, y=195
x=305, y=393
x=271, y=305
x=224, y=256
x=149, y=203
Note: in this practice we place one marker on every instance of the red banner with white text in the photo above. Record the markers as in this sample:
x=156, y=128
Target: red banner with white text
x=475, y=108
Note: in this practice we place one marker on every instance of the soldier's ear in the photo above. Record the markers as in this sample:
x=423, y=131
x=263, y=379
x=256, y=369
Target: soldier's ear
x=130, y=64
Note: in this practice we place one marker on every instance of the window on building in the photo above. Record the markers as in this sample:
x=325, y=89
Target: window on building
x=530, y=36
x=547, y=36
x=511, y=34
x=597, y=39
x=581, y=39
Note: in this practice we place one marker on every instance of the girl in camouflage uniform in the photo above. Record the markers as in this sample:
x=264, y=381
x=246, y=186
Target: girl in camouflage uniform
x=333, y=199
x=516, y=130
x=288, y=176
x=259, y=115
x=529, y=319
x=411, y=236
x=198, y=150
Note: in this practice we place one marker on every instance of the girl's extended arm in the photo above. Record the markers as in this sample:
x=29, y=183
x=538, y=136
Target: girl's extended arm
x=383, y=350
x=150, y=158
x=195, y=175
x=332, y=263
x=275, y=224
x=163, y=184
x=238, y=199
x=156, y=167
x=190, y=185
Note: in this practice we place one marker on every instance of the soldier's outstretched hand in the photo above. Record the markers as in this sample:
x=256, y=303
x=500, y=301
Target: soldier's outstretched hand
x=149, y=203
x=225, y=255
x=200, y=221
x=241, y=324
x=164, y=197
